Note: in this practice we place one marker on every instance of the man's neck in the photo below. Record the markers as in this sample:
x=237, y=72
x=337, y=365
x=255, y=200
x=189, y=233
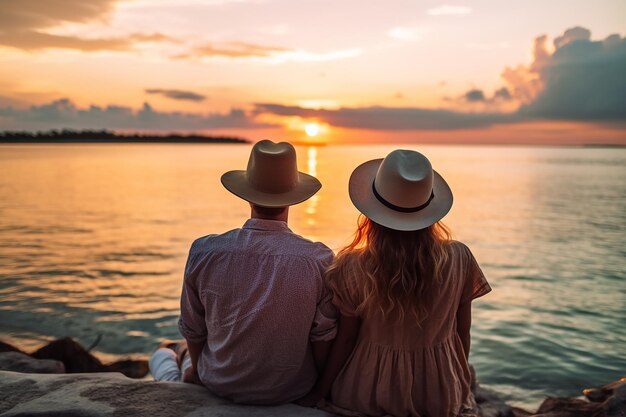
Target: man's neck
x=278, y=218
x=283, y=217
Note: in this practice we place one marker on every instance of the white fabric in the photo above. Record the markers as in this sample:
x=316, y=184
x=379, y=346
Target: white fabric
x=163, y=366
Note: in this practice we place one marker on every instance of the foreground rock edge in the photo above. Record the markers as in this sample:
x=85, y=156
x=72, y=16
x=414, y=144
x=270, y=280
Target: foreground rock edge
x=112, y=394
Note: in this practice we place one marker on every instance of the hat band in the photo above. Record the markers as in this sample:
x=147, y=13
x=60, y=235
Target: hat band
x=398, y=208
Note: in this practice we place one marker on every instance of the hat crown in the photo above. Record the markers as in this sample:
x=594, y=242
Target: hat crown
x=272, y=167
x=405, y=179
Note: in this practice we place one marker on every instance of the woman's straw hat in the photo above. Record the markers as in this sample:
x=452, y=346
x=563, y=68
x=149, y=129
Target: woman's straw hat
x=401, y=192
x=272, y=178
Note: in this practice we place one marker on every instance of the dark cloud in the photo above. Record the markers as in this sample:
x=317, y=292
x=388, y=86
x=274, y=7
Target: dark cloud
x=478, y=96
x=392, y=118
x=23, y=25
x=502, y=94
x=12, y=102
x=177, y=94
x=474, y=95
x=64, y=114
x=233, y=50
x=582, y=79
x=574, y=34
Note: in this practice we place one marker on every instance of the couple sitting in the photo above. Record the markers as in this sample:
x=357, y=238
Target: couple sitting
x=382, y=328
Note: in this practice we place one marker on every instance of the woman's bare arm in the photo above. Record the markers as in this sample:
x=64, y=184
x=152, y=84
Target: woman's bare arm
x=347, y=334
x=463, y=324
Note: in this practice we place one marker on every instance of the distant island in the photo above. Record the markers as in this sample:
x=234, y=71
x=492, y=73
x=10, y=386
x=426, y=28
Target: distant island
x=106, y=136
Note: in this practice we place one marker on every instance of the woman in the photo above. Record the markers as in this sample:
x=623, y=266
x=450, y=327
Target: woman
x=404, y=290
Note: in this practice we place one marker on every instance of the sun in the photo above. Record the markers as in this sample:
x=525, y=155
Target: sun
x=312, y=129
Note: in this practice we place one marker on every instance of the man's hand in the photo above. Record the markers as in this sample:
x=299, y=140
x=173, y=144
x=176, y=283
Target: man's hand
x=191, y=376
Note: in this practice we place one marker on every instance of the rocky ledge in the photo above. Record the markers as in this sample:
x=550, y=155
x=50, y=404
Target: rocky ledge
x=35, y=385
x=114, y=395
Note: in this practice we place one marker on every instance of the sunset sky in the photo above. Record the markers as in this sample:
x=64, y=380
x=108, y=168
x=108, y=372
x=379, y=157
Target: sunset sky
x=548, y=72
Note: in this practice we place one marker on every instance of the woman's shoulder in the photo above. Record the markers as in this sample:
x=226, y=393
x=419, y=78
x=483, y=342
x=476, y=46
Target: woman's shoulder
x=457, y=247
x=346, y=260
x=343, y=281
x=459, y=254
x=346, y=271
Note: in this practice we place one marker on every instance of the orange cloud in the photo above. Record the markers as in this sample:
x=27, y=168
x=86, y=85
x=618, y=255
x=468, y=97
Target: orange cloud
x=23, y=25
x=33, y=40
x=244, y=50
x=233, y=50
x=23, y=15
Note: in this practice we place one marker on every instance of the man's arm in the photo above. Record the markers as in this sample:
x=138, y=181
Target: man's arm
x=192, y=324
x=194, y=351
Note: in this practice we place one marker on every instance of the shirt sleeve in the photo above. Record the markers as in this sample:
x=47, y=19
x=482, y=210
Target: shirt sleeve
x=476, y=284
x=324, y=326
x=191, y=323
x=325, y=322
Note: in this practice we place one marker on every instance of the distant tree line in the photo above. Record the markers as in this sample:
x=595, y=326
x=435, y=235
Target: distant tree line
x=107, y=136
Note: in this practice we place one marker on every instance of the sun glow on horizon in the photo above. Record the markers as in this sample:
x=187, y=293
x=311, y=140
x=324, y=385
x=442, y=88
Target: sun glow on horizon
x=312, y=129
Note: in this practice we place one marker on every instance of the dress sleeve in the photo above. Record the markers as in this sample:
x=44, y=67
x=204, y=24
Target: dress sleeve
x=345, y=295
x=476, y=284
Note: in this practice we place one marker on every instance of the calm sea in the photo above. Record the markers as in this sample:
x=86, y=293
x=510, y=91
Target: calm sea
x=93, y=240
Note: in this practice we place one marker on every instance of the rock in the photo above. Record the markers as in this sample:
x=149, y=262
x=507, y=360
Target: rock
x=616, y=405
x=112, y=394
x=567, y=407
x=606, y=401
x=21, y=362
x=600, y=394
x=520, y=412
x=6, y=347
x=489, y=404
x=132, y=368
x=77, y=359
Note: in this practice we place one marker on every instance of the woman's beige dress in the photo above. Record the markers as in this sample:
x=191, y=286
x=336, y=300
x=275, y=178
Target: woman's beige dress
x=401, y=369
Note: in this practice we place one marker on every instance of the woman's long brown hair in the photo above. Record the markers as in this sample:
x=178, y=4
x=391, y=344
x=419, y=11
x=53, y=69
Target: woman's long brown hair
x=393, y=271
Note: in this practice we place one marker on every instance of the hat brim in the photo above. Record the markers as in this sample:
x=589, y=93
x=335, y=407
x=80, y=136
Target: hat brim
x=363, y=198
x=237, y=183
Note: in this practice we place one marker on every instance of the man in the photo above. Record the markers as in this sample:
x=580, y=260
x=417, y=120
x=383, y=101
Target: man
x=256, y=316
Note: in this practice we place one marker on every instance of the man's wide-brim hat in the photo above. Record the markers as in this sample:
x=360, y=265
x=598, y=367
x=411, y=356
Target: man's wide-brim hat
x=272, y=178
x=401, y=191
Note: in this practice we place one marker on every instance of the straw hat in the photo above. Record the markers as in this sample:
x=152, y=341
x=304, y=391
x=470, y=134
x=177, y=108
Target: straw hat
x=401, y=192
x=272, y=178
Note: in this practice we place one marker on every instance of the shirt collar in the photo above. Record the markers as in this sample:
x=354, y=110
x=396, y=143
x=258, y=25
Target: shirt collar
x=269, y=225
